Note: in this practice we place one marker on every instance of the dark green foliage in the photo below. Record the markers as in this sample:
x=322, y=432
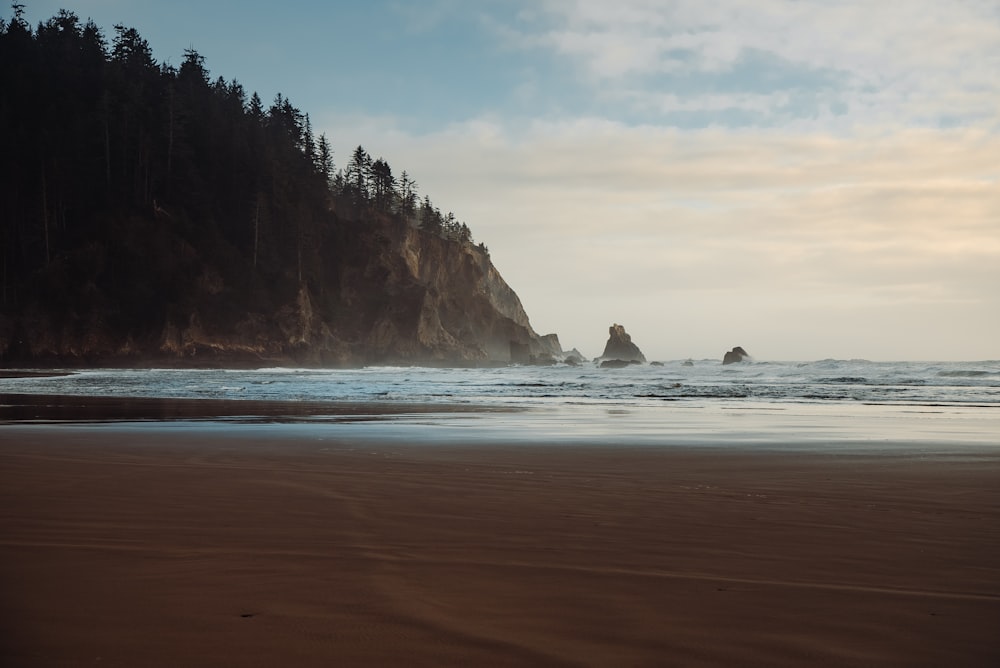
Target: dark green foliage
x=128, y=186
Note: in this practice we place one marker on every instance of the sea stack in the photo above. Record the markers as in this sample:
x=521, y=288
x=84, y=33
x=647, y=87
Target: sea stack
x=620, y=346
x=735, y=355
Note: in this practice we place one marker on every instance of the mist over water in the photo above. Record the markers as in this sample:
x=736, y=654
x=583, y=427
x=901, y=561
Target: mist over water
x=693, y=402
x=909, y=383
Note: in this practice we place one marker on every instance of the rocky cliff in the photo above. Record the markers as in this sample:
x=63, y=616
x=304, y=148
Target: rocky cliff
x=394, y=294
x=448, y=303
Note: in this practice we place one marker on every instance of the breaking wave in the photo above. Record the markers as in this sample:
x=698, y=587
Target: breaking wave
x=917, y=383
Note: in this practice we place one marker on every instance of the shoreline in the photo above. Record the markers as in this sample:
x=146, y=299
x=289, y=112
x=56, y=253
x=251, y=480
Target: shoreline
x=56, y=408
x=781, y=427
x=204, y=545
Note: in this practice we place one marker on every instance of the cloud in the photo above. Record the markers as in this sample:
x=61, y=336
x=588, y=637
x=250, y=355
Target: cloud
x=919, y=62
x=804, y=178
x=591, y=220
x=807, y=179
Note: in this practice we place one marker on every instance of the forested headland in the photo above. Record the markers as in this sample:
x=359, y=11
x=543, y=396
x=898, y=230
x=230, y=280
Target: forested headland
x=153, y=210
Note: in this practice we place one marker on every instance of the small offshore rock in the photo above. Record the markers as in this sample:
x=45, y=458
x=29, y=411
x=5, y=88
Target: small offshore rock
x=735, y=355
x=617, y=364
x=620, y=346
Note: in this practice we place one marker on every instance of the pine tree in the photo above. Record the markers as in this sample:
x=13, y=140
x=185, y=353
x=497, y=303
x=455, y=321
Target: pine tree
x=357, y=175
x=324, y=161
x=139, y=171
x=407, y=196
x=430, y=217
x=383, y=184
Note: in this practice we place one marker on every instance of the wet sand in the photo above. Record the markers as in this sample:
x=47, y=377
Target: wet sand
x=184, y=545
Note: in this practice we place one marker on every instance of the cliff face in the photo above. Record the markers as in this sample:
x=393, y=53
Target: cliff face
x=389, y=294
x=422, y=299
x=450, y=303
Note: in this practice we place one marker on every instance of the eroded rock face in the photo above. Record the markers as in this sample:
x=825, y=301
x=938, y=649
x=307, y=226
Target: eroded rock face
x=466, y=312
x=620, y=346
x=735, y=355
x=394, y=295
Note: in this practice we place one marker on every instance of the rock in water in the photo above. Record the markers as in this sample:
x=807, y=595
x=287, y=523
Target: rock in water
x=735, y=355
x=620, y=346
x=617, y=364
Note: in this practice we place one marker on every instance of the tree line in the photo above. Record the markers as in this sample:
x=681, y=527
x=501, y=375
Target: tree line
x=97, y=132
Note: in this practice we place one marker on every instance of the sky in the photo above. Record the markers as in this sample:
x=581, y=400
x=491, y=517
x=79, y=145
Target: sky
x=805, y=179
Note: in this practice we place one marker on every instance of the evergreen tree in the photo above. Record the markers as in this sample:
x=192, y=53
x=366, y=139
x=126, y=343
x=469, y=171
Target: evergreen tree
x=256, y=109
x=309, y=142
x=407, y=196
x=430, y=217
x=324, y=160
x=135, y=169
x=383, y=185
x=356, y=175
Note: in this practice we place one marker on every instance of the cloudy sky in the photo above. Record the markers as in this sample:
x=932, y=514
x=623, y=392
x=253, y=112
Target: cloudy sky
x=806, y=179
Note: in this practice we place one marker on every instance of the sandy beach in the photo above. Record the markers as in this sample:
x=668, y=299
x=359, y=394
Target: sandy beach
x=169, y=545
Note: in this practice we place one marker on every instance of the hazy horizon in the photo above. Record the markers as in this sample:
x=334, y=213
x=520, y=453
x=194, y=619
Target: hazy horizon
x=803, y=180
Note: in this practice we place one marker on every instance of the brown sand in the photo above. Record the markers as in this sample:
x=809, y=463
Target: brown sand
x=173, y=547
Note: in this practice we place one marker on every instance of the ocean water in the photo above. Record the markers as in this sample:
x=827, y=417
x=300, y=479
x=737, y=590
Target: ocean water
x=843, y=401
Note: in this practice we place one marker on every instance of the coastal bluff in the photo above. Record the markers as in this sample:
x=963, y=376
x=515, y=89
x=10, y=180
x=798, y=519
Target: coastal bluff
x=396, y=295
x=153, y=216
